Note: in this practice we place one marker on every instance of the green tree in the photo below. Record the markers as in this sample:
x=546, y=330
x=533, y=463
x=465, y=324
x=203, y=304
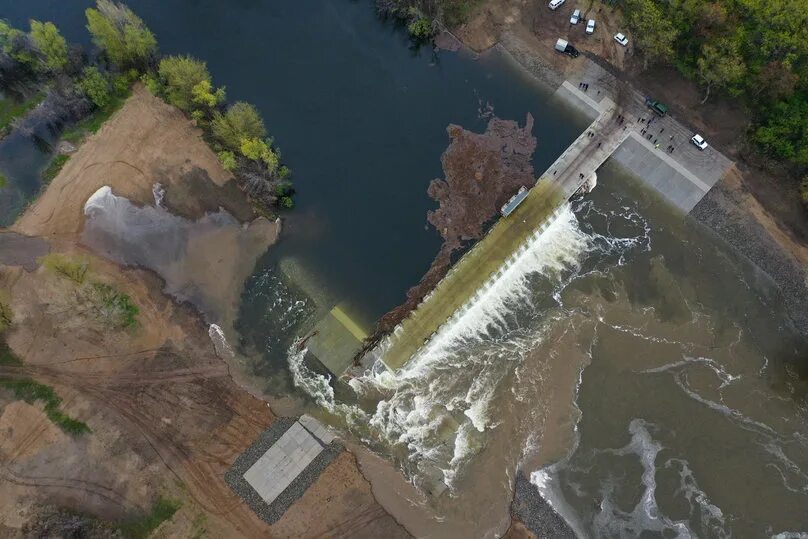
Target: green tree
x=203, y=94
x=720, y=66
x=258, y=150
x=804, y=191
x=776, y=81
x=785, y=132
x=120, y=34
x=17, y=45
x=95, y=86
x=228, y=160
x=652, y=30
x=241, y=121
x=50, y=43
x=421, y=28
x=180, y=74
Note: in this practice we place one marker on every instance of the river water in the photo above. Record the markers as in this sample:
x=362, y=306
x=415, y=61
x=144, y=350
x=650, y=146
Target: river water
x=644, y=376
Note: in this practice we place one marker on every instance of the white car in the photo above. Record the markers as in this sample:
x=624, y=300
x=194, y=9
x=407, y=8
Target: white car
x=555, y=3
x=576, y=17
x=699, y=141
x=590, y=26
x=620, y=38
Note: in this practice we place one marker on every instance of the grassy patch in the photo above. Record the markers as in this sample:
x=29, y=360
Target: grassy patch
x=3, y=180
x=73, y=267
x=7, y=357
x=94, y=121
x=31, y=391
x=10, y=110
x=113, y=306
x=162, y=510
x=6, y=316
x=53, y=168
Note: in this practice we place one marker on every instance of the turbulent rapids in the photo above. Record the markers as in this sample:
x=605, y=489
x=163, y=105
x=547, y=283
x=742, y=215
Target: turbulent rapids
x=434, y=412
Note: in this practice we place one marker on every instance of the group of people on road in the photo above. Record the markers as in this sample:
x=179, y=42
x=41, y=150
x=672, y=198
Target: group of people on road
x=645, y=132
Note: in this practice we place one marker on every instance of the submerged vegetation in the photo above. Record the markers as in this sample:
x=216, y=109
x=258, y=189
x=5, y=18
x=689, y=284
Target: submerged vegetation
x=31, y=391
x=41, y=66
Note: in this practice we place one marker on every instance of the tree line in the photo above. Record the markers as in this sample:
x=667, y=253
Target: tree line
x=755, y=50
x=127, y=51
x=424, y=18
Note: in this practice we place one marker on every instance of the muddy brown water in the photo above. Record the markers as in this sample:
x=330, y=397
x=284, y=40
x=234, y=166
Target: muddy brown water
x=642, y=373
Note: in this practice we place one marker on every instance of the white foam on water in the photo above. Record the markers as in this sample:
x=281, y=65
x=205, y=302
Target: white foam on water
x=220, y=344
x=611, y=521
x=437, y=405
x=710, y=516
x=159, y=194
x=437, y=408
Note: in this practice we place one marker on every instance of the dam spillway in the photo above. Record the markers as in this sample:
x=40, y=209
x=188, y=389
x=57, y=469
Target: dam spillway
x=486, y=262
x=616, y=130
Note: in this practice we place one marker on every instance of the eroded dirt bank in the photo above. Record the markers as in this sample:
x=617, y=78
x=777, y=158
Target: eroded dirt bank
x=165, y=416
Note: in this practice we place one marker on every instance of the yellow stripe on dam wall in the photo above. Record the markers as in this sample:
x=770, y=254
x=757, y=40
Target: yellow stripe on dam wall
x=349, y=324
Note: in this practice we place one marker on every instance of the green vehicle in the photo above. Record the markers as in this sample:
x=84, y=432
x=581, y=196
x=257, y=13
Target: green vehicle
x=656, y=106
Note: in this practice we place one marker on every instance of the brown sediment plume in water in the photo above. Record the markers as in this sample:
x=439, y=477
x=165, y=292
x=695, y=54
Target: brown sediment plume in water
x=482, y=171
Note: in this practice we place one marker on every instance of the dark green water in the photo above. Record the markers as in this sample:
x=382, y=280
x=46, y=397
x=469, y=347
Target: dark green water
x=693, y=419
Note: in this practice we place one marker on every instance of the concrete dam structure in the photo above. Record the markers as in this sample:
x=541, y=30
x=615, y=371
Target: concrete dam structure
x=618, y=131
x=615, y=131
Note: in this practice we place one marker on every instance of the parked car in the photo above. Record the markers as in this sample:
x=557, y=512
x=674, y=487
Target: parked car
x=620, y=38
x=563, y=46
x=590, y=26
x=555, y=3
x=699, y=141
x=657, y=106
x=576, y=17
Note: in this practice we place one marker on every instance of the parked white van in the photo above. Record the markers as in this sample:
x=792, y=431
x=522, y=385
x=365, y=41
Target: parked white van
x=576, y=17
x=555, y=3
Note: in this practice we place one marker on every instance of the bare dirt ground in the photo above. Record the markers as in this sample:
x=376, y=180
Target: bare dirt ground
x=165, y=415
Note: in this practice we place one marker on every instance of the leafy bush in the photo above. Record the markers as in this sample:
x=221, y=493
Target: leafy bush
x=3, y=181
x=228, y=160
x=804, y=191
x=151, y=83
x=95, y=86
x=258, y=150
